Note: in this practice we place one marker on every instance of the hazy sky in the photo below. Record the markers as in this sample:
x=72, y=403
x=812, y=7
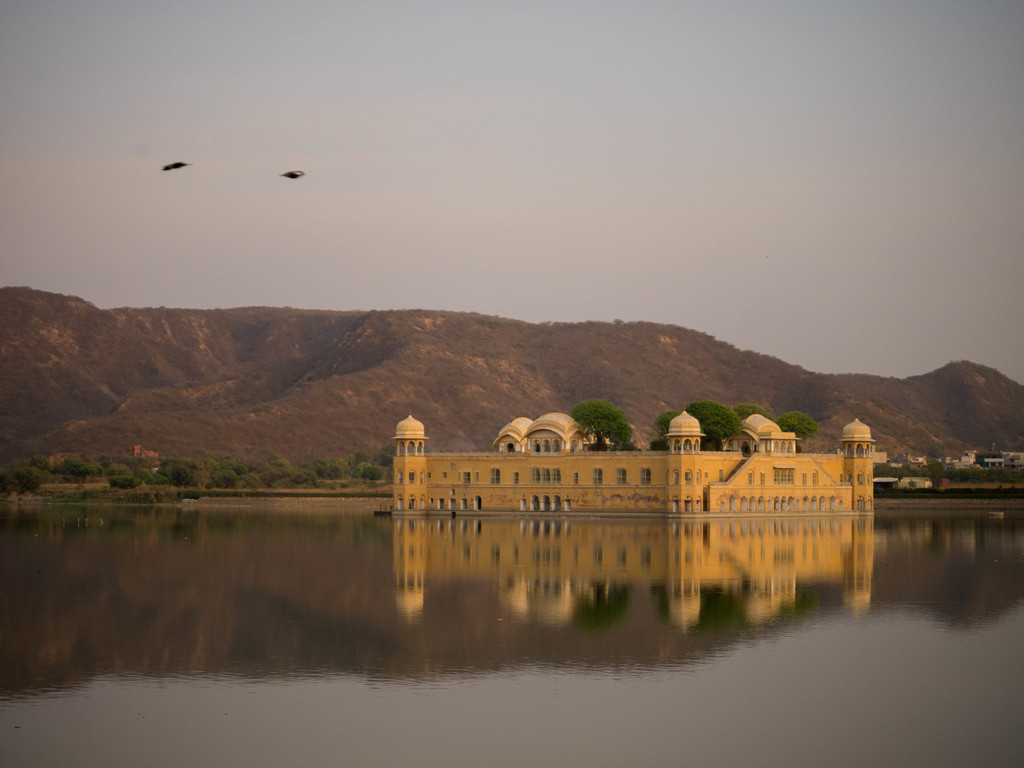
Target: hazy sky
x=840, y=185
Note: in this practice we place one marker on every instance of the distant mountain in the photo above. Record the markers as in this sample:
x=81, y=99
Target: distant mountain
x=259, y=381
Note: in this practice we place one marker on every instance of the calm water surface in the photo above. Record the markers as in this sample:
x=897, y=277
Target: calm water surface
x=168, y=638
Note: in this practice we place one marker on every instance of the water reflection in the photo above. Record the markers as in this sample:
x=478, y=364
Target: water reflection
x=111, y=591
x=702, y=573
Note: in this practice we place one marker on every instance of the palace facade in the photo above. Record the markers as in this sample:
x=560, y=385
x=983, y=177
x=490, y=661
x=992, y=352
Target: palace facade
x=544, y=465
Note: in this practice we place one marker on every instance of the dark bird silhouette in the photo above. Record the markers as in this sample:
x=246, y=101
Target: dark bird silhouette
x=174, y=166
x=294, y=174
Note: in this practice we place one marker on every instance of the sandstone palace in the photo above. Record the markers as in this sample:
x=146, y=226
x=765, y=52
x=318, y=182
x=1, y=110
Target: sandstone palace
x=544, y=465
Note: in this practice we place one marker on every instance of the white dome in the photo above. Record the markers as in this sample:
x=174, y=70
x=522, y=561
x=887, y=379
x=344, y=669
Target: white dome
x=761, y=425
x=409, y=428
x=857, y=430
x=684, y=425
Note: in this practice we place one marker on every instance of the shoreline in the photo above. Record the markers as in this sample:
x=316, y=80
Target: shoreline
x=902, y=506
x=324, y=504
x=887, y=504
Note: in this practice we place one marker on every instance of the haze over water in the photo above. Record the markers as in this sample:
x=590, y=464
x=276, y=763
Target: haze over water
x=172, y=637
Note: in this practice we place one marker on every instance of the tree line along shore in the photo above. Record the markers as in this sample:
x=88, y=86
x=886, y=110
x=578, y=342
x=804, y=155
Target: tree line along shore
x=141, y=479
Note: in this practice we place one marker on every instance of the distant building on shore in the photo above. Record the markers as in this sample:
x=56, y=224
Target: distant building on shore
x=544, y=465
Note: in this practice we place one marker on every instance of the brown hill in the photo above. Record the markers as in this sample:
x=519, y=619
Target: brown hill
x=257, y=381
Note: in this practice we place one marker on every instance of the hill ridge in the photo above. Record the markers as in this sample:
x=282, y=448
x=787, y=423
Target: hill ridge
x=254, y=381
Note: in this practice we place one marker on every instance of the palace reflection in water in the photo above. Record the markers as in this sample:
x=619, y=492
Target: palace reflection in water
x=174, y=637
x=550, y=569
x=167, y=592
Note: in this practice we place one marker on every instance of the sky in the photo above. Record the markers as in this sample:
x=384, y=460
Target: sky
x=837, y=184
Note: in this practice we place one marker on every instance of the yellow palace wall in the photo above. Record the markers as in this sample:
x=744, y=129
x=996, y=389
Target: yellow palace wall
x=654, y=482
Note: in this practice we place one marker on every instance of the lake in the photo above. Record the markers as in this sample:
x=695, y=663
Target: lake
x=169, y=637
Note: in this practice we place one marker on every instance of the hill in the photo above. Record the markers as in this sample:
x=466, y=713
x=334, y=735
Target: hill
x=258, y=381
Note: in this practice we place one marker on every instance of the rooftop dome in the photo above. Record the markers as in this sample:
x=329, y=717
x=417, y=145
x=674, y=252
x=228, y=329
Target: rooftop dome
x=409, y=427
x=684, y=425
x=761, y=425
x=554, y=421
x=857, y=430
x=517, y=427
x=515, y=430
x=561, y=424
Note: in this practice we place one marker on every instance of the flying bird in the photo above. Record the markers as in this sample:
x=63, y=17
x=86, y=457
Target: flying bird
x=174, y=166
x=294, y=174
